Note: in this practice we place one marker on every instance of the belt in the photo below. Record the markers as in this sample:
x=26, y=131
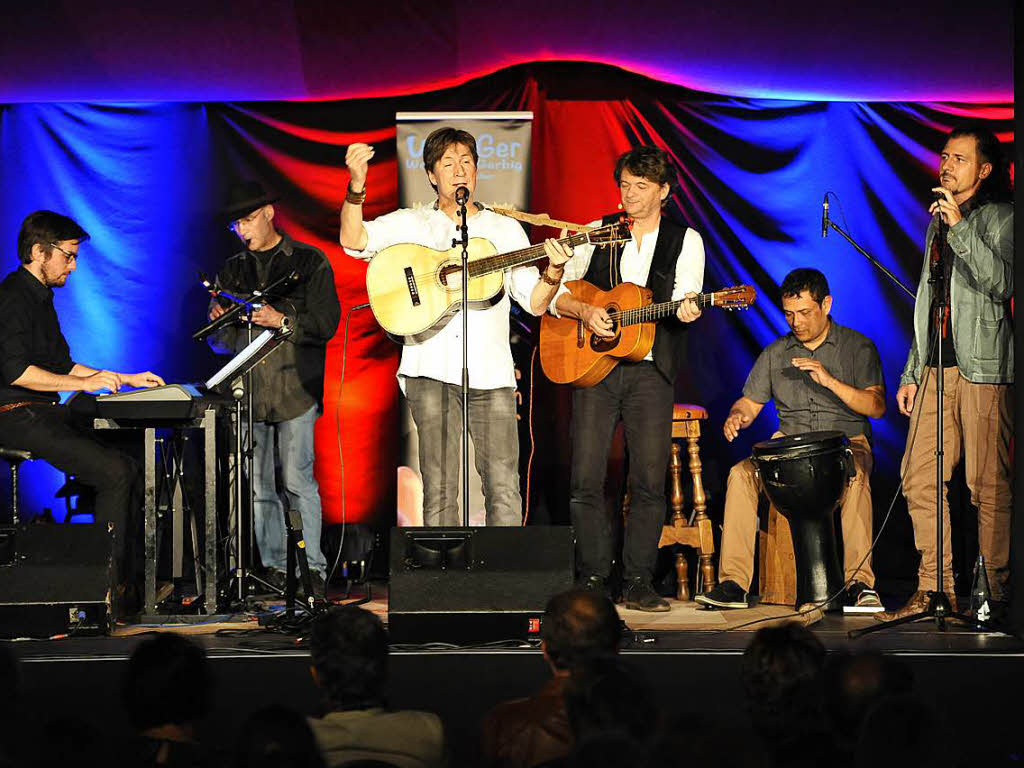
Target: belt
x=13, y=406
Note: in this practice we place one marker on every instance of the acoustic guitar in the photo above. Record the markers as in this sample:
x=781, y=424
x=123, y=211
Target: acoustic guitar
x=570, y=353
x=414, y=290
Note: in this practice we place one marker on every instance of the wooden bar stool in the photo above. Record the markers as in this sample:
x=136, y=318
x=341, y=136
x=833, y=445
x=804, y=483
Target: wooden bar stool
x=694, y=533
x=14, y=457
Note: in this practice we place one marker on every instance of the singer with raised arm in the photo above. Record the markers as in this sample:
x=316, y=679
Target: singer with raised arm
x=288, y=386
x=823, y=377
x=668, y=259
x=430, y=372
x=970, y=239
x=36, y=365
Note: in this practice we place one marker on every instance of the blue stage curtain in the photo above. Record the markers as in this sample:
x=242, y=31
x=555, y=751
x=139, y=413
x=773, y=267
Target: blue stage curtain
x=146, y=180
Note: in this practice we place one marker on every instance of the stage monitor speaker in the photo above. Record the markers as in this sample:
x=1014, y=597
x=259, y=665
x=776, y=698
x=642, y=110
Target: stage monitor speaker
x=473, y=585
x=54, y=579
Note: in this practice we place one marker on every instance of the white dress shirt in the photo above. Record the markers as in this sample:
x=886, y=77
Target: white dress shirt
x=440, y=356
x=635, y=265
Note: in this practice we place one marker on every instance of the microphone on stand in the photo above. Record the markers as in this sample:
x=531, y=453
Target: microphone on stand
x=461, y=195
x=824, y=216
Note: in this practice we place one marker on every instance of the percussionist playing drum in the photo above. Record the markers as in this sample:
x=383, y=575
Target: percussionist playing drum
x=822, y=376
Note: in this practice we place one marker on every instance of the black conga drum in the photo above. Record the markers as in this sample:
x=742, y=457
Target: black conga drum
x=805, y=476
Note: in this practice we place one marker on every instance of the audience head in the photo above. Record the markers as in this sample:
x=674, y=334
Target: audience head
x=781, y=676
x=854, y=682
x=349, y=649
x=277, y=737
x=168, y=681
x=579, y=625
x=899, y=731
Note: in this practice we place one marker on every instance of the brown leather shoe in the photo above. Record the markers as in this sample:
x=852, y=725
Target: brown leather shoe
x=917, y=603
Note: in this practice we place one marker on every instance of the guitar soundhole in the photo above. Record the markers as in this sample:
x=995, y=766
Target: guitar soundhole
x=604, y=344
x=450, y=277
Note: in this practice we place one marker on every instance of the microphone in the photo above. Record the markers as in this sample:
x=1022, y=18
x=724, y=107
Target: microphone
x=824, y=216
x=461, y=195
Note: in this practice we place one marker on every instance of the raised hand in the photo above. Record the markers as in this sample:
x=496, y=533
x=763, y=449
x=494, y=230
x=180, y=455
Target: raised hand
x=357, y=160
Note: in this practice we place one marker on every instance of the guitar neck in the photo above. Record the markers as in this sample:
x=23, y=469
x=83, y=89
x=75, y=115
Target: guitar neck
x=654, y=312
x=503, y=261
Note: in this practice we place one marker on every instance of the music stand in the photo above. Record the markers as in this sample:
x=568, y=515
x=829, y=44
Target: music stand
x=229, y=379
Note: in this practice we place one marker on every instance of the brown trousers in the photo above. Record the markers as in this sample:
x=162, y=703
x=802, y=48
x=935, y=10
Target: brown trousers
x=977, y=427
x=739, y=532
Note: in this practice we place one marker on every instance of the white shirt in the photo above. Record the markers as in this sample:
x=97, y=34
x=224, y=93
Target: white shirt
x=440, y=356
x=635, y=265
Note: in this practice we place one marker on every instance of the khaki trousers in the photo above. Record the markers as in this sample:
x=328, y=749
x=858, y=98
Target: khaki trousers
x=977, y=427
x=739, y=533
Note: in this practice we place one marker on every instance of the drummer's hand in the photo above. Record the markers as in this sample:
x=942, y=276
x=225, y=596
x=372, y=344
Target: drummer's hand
x=905, y=397
x=735, y=421
x=819, y=373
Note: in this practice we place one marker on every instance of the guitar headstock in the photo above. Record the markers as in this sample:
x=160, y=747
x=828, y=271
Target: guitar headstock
x=619, y=231
x=737, y=297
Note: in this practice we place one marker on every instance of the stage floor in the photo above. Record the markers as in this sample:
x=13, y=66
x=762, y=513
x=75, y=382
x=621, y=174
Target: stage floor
x=690, y=657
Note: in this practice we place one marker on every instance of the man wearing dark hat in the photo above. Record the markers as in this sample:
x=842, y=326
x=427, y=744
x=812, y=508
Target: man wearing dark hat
x=36, y=365
x=288, y=386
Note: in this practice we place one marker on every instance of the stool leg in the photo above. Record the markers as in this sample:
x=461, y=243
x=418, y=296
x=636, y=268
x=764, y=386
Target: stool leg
x=682, y=578
x=702, y=521
x=675, y=469
x=14, y=492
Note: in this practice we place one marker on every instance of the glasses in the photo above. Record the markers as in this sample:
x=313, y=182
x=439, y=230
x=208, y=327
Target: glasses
x=234, y=225
x=71, y=256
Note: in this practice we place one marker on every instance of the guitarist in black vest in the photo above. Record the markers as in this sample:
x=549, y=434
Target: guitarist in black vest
x=669, y=260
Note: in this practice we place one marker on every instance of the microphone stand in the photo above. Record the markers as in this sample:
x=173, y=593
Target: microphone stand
x=939, y=607
x=462, y=197
x=827, y=222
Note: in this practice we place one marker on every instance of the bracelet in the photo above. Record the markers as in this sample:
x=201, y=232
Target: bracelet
x=550, y=280
x=353, y=197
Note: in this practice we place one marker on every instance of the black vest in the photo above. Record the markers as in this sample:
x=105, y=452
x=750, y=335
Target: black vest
x=670, y=335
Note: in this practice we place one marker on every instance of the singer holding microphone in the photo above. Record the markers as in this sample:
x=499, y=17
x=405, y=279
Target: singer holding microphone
x=288, y=386
x=430, y=372
x=970, y=238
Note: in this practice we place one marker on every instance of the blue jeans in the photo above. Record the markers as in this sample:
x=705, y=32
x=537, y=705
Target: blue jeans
x=437, y=410
x=293, y=440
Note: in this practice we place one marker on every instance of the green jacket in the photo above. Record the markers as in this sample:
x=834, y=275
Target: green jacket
x=980, y=292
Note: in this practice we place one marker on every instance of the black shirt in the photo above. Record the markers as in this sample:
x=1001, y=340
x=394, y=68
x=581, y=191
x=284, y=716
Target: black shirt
x=803, y=405
x=290, y=380
x=32, y=336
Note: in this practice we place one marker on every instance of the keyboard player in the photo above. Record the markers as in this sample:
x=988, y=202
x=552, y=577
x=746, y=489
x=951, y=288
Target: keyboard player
x=36, y=364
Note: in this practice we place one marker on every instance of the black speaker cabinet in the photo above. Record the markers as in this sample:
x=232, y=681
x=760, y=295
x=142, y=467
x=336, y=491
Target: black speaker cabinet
x=472, y=585
x=54, y=579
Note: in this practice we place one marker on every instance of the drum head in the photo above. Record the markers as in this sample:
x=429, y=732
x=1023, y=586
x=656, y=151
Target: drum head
x=797, y=446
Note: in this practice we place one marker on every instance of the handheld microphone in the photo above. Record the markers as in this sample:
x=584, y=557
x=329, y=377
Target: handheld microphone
x=824, y=216
x=461, y=195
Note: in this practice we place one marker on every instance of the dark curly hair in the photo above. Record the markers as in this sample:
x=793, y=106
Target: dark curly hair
x=805, y=279
x=349, y=650
x=648, y=163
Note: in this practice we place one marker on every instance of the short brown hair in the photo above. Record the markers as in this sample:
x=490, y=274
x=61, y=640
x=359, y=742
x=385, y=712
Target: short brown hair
x=438, y=142
x=647, y=163
x=46, y=228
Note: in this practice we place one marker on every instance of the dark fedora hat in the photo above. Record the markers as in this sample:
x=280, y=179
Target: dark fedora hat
x=244, y=197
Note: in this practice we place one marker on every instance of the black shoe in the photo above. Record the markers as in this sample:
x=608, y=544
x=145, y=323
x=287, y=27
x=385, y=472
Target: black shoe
x=594, y=583
x=860, y=598
x=728, y=594
x=640, y=596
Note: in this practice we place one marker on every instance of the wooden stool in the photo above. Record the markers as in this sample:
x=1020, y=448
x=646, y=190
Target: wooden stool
x=686, y=421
